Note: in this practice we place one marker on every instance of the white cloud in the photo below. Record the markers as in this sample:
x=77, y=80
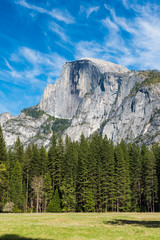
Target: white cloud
x=34, y=64
x=90, y=10
x=57, y=14
x=54, y=27
x=141, y=48
x=125, y=3
x=88, y=49
x=13, y=73
x=110, y=24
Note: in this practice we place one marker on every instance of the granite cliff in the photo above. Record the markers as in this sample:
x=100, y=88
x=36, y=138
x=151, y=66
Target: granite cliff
x=92, y=95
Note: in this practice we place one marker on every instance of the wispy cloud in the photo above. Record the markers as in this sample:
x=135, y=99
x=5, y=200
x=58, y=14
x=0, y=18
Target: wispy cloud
x=37, y=67
x=110, y=24
x=88, y=49
x=90, y=10
x=57, y=14
x=140, y=49
x=54, y=27
x=13, y=73
x=30, y=70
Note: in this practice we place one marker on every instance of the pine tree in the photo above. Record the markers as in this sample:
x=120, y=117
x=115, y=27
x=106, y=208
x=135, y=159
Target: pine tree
x=89, y=202
x=108, y=175
x=127, y=202
x=35, y=164
x=27, y=172
x=3, y=188
x=69, y=175
x=16, y=187
x=120, y=178
x=59, y=161
x=3, y=151
x=43, y=161
x=83, y=180
x=151, y=183
x=55, y=204
x=144, y=153
x=95, y=170
x=156, y=151
x=18, y=151
x=52, y=158
x=48, y=192
x=3, y=170
x=135, y=176
x=11, y=161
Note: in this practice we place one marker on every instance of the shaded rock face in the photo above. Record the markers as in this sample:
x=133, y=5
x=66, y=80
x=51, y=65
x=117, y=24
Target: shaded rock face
x=77, y=78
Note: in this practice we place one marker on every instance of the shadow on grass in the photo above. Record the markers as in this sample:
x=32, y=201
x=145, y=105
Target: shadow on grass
x=148, y=224
x=16, y=237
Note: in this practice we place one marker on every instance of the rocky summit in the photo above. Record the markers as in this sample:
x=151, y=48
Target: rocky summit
x=92, y=95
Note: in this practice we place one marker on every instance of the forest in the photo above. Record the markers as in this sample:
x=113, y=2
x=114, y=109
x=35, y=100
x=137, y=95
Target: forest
x=90, y=175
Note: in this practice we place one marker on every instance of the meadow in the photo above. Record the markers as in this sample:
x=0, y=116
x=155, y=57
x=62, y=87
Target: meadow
x=80, y=226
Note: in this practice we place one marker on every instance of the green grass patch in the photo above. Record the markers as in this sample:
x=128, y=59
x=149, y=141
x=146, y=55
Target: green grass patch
x=80, y=226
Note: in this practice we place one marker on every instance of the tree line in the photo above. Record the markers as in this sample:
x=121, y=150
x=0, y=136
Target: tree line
x=85, y=176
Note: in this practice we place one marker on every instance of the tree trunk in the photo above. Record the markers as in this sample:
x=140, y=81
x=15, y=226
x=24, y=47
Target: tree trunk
x=31, y=205
x=26, y=207
x=118, y=205
x=37, y=203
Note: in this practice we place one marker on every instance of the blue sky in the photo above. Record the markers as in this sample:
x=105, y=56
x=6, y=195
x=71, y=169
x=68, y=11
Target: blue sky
x=38, y=36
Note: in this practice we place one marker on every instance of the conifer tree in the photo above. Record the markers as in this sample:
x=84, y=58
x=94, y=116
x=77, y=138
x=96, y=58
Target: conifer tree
x=3, y=170
x=108, y=175
x=144, y=154
x=11, y=161
x=52, y=158
x=43, y=161
x=120, y=178
x=151, y=183
x=55, y=204
x=3, y=151
x=48, y=191
x=83, y=180
x=135, y=176
x=59, y=161
x=68, y=186
x=95, y=170
x=27, y=172
x=35, y=163
x=18, y=151
x=89, y=201
x=16, y=187
x=156, y=151
x=127, y=199
x=3, y=187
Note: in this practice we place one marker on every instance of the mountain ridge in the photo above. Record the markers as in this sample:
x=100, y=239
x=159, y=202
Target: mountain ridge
x=88, y=98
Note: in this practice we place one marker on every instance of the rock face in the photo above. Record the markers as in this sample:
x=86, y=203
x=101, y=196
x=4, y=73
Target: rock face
x=29, y=129
x=77, y=78
x=137, y=118
x=94, y=95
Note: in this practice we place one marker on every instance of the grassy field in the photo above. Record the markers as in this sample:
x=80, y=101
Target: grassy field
x=80, y=226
